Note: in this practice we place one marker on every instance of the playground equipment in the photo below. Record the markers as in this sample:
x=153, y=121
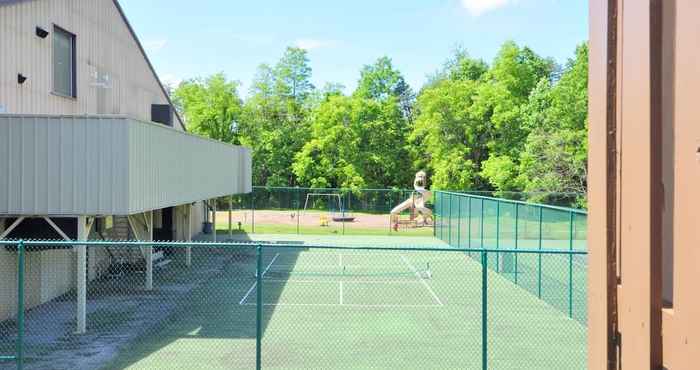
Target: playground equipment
x=415, y=204
x=337, y=214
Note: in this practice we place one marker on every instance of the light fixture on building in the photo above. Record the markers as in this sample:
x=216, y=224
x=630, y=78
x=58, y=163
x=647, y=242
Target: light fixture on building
x=21, y=78
x=42, y=33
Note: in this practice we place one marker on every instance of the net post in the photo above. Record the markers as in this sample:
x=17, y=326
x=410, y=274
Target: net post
x=484, y=310
x=539, y=258
x=571, y=264
x=20, y=305
x=258, y=307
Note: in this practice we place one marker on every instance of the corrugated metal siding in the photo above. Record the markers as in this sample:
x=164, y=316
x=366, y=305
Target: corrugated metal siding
x=107, y=165
x=104, y=47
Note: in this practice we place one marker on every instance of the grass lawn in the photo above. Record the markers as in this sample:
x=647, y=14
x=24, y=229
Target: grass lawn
x=359, y=310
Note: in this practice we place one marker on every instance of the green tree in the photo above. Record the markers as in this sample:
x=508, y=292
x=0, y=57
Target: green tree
x=275, y=117
x=355, y=142
x=554, y=159
x=381, y=81
x=447, y=139
x=211, y=107
x=502, y=99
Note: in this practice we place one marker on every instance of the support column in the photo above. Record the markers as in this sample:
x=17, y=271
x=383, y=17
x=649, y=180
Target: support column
x=188, y=249
x=81, y=280
x=230, y=219
x=149, y=252
x=214, y=219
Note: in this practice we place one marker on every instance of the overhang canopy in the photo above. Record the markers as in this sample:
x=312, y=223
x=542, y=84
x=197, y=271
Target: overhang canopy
x=110, y=165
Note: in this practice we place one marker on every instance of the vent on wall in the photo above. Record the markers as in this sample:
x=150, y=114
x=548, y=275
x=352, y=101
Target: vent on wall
x=162, y=113
x=41, y=33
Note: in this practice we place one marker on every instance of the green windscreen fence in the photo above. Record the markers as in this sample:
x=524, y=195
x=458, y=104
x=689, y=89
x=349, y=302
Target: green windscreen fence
x=472, y=221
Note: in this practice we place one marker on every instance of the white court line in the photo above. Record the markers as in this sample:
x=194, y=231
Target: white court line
x=301, y=281
x=256, y=282
x=425, y=284
x=309, y=267
x=352, y=305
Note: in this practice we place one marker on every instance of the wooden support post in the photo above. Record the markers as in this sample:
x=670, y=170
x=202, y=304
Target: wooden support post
x=149, y=252
x=188, y=249
x=81, y=280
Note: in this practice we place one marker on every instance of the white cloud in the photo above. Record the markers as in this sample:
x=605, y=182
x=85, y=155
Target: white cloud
x=170, y=80
x=154, y=46
x=311, y=44
x=479, y=7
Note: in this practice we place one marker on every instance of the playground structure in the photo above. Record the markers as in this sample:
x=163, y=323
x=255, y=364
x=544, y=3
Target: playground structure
x=415, y=204
x=338, y=214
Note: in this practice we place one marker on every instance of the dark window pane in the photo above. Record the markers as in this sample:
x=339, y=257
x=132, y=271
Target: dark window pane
x=63, y=62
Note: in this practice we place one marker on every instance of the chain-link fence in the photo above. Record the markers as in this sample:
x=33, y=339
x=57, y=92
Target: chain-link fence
x=285, y=210
x=283, y=306
x=469, y=221
x=332, y=211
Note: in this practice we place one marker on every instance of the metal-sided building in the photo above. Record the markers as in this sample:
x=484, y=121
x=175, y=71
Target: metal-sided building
x=91, y=147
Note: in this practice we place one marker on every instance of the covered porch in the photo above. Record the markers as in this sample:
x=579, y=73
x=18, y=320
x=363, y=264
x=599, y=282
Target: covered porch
x=79, y=178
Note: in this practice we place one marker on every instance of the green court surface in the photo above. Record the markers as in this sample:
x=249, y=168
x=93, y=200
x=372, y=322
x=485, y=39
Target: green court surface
x=358, y=309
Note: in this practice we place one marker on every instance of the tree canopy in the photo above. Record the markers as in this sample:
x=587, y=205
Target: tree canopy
x=518, y=123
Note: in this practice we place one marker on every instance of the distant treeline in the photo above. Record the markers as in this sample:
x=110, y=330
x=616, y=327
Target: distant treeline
x=516, y=124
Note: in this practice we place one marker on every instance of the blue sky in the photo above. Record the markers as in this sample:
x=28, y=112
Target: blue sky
x=186, y=39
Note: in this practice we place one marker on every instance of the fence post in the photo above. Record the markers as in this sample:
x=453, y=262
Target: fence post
x=459, y=222
x=20, y=304
x=571, y=265
x=449, y=229
x=252, y=209
x=484, y=310
x=498, y=235
x=441, y=213
x=539, y=260
x=469, y=226
x=258, y=307
x=517, y=216
x=481, y=226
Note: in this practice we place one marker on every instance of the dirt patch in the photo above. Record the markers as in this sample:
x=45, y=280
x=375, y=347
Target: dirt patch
x=311, y=218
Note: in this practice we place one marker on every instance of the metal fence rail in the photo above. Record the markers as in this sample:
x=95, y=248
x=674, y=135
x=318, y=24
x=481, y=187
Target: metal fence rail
x=259, y=305
x=472, y=221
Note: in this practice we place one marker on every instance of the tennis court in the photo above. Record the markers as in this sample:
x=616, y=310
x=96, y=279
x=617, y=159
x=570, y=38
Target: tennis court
x=358, y=309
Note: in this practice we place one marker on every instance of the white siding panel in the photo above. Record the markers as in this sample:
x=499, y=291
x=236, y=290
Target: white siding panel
x=110, y=165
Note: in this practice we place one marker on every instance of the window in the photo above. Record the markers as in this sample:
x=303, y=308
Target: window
x=64, y=63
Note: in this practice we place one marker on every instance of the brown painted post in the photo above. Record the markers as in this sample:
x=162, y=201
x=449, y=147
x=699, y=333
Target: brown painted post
x=625, y=185
x=602, y=274
x=681, y=319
